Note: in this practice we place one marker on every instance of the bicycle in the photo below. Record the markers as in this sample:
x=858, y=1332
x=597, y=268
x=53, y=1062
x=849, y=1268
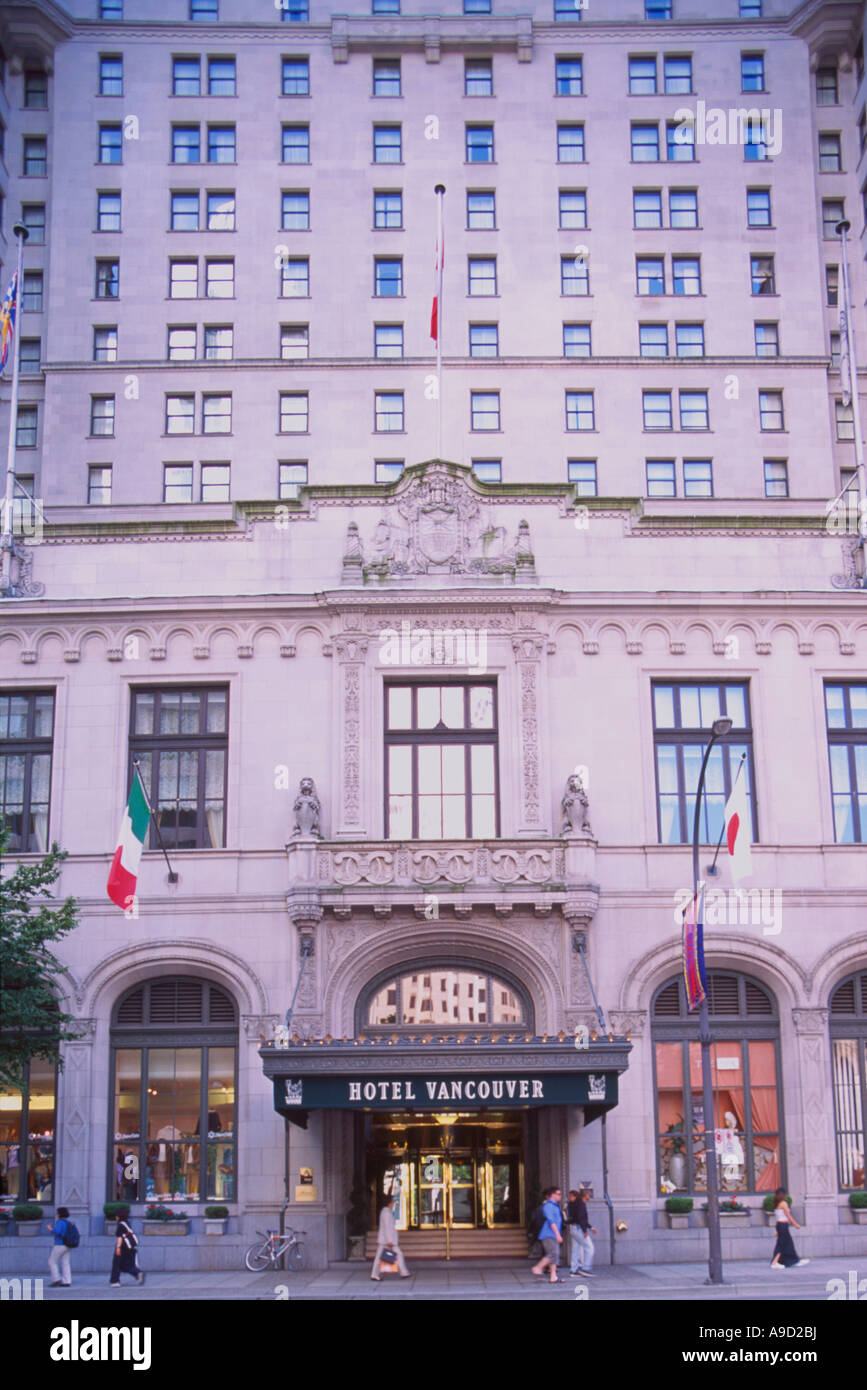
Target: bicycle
x=267, y=1252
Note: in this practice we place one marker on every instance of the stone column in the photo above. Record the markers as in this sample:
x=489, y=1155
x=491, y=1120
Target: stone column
x=810, y=1120
x=80, y=1128
x=528, y=655
x=351, y=652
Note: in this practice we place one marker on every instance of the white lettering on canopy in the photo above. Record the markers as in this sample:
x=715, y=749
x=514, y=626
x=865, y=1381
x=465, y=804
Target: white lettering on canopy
x=470, y=1089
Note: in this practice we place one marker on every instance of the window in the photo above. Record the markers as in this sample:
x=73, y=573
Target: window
x=848, y=1025
x=642, y=76
x=181, y=344
x=221, y=212
x=385, y=6
x=175, y=1041
x=386, y=77
x=647, y=207
x=576, y=340
x=183, y=279
x=35, y=90
x=203, y=9
x=661, y=481
x=678, y=74
x=388, y=278
x=680, y=142
x=697, y=478
x=846, y=716
x=755, y=141
x=833, y=211
x=689, y=339
x=758, y=207
x=657, y=9
x=388, y=340
x=108, y=212
x=219, y=279
x=482, y=275
x=752, y=72
x=656, y=407
x=177, y=482
x=832, y=278
x=219, y=343
x=29, y=361
x=484, y=410
x=650, y=275
x=111, y=9
x=294, y=341
x=683, y=207
x=186, y=144
x=186, y=77
x=105, y=344
x=107, y=280
x=478, y=77
x=221, y=144
x=488, y=470
x=480, y=144
x=387, y=470
x=441, y=761
x=294, y=412
x=27, y=1132
x=185, y=212
x=835, y=349
x=296, y=144
x=221, y=77
x=295, y=278
x=750, y=9
x=693, y=410
x=26, y=427
x=844, y=420
x=582, y=472
x=180, y=414
x=683, y=714
x=484, y=340
x=102, y=415
x=215, y=482
x=826, y=87
x=31, y=291
x=294, y=11
x=291, y=477
x=580, y=410
x=686, y=274
x=110, y=75
x=830, y=153
x=295, y=212
x=35, y=163
x=296, y=77
x=33, y=217
x=387, y=144
x=645, y=144
x=99, y=485
x=776, y=478
x=568, y=9
x=572, y=207
x=574, y=276
x=388, y=210
x=477, y=6
x=762, y=279
x=388, y=410
x=568, y=76
x=771, y=410
x=747, y=1094
x=653, y=339
x=216, y=415
x=481, y=212
x=393, y=1001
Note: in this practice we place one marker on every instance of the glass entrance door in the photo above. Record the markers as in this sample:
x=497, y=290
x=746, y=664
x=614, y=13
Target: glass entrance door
x=446, y=1190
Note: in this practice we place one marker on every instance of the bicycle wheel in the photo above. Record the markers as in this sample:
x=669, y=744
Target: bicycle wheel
x=297, y=1255
x=258, y=1257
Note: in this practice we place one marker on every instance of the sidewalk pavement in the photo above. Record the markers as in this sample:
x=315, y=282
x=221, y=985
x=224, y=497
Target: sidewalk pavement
x=489, y=1280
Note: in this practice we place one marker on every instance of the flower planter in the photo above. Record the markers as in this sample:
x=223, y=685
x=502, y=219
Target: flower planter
x=28, y=1228
x=215, y=1225
x=859, y=1215
x=734, y=1220
x=677, y=1221
x=166, y=1228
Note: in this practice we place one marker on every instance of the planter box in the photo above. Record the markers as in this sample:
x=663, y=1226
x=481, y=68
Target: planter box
x=677, y=1220
x=355, y=1247
x=859, y=1215
x=734, y=1221
x=166, y=1228
x=215, y=1225
x=29, y=1228
x=110, y=1224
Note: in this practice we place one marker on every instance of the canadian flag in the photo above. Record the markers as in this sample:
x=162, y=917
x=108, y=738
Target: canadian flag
x=738, y=830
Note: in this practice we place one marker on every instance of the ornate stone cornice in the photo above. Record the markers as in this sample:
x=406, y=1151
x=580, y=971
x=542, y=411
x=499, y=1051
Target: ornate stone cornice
x=810, y=1021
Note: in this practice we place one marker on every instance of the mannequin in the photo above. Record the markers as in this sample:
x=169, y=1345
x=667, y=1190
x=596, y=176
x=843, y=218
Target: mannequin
x=164, y=1161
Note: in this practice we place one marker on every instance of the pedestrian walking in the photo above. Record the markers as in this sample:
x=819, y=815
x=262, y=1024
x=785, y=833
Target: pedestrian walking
x=59, y=1261
x=387, y=1240
x=785, y=1255
x=551, y=1236
x=125, y=1259
x=580, y=1236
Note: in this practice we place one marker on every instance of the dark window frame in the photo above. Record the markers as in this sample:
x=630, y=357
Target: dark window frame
x=157, y=744
x=29, y=746
x=681, y=737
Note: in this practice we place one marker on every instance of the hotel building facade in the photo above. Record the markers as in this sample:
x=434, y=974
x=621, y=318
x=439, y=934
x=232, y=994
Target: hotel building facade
x=422, y=722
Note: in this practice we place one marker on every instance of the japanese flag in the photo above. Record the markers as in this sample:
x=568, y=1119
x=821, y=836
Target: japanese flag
x=738, y=832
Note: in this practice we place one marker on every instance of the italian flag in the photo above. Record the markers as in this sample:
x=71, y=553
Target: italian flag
x=123, y=874
x=738, y=836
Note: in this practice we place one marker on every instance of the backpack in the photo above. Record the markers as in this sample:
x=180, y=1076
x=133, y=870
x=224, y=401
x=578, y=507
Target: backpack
x=71, y=1238
x=537, y=1221
x=129, y=1237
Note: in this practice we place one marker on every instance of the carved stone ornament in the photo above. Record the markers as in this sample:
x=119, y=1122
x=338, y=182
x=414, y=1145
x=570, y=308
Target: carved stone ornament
x=307, y=810
x=576, y=808
x=437, y=524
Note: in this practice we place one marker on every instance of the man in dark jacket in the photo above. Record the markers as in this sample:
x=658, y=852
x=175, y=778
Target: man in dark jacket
x=580, y=1233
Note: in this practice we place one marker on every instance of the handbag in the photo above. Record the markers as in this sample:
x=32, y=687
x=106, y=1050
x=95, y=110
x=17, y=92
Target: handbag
x=388, y=1262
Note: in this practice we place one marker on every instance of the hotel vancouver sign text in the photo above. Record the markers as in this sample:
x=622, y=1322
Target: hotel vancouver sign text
x=421, y=1092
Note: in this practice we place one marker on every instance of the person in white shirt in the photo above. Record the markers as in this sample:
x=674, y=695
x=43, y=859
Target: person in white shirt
x=387, y=1240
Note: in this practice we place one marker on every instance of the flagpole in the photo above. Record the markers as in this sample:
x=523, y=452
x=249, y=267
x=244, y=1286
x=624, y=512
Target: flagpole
x=173, y=878
x=7, y=541
x=842, y=228
x=440, y=190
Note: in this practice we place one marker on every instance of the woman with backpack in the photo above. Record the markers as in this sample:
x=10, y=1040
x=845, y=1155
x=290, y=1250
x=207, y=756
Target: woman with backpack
x=65, y=1239
x=125, y=1248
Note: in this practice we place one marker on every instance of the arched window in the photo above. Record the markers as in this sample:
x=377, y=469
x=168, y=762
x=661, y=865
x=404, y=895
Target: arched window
x=746, y=1087
x=174, y=1064
x=443, y=994
x=848, y=1025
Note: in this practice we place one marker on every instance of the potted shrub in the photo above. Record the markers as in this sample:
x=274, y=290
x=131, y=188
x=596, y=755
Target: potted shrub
x=215, y=1220
x=356, y=1220
x=733, y=1214
x=768, y=1208
x=678, y=1209
x=160, y=1220
x=858, y=1206
x=114, y=1212
x=28, y=1218
x=5, y=1221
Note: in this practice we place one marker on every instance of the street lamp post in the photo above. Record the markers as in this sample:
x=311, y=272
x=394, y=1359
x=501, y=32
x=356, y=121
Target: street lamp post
x=7, y=540
x=719, y=729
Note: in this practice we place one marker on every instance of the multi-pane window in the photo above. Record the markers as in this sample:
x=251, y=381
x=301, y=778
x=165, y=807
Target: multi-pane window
x=387, y=278
x=650, y=275
x=657, y=9
x=683, y=207
x=218, y=343
x=186, y=144
x=295, y=144
x=574, y=275
x=569, y=77
x=31, y=291
x=295, y=278
x=835, y=346
x=449, y=997
x=826, y=87
x=848, y=1027
x=387, y=470
x=388, y=210
x=481, y=275
x=291, y=477
x=570, y=144
x=572, y=205
x=183, y=279
x=653, y=339
x=35, y=163
x=484, y=410
x=221, y=77
x=697, y=478
x=105, y=344
x=385, y=6
x=99, y=485
x=179, y=739
x=185, y=212
x=33, y=217
x=186, y=77
x=111, y=9
x=680, y=142
x=568, y=10
x=661, y=479
x=177, y=482
x=27, y=1129
x=642, y=76
x=221, y=212
x=478, y=77
x=480, y=144
x=484, y=340
x=295, y=212
x=204, y=9
x=694, y=410
x=388, y=340
x=844, y=420
x=181, y=345
x=110, y=75
x=388, y=412
x=833, y=211
x=686, y=274
x=108, y=212
x=576, y=340
x=481, y=211
x=771, y=410
x=26, y=733
x=682, y=717
x=107, y=279
x=750, y=9
x=776, y=474
x=294, y=11
x=647, y=207
x=677, y=71
x=294, y=412
x=215, y=482
x=180, y=414
x=580, y=410
x=656, y=409
x=441, y=757
x=219, y=278
x=26, y=427
x=582, y=472
x=756, y=141
x=832, y=285
x=102, y=415
x=830, y=153
x=645, y=143
x=296, y=77
x=689, y=339
x=30, y=358
x=752, y=72
x=221, y=144
x=294, y=341
x=762, y=279
x=386, y=77
x=846, y=716
x=758, y=207
x=387, y=144
x=488, y=470
x=216, y=415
